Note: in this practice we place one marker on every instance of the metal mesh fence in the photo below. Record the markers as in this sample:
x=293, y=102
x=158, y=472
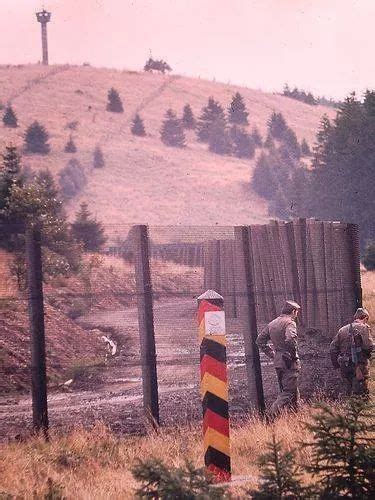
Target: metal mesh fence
x=96, y=313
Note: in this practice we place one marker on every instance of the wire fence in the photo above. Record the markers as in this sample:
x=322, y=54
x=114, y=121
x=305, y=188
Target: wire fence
x=121, y=329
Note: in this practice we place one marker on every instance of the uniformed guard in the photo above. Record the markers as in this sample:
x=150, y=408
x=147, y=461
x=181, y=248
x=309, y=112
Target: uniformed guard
x=351, y=352
x=282, y=332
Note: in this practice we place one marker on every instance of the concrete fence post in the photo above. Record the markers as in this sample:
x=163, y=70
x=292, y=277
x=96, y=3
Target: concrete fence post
x=36, y=318
x=146, y=323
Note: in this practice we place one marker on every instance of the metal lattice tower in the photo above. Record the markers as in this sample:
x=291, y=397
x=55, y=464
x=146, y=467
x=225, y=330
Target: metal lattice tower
x=43, y=18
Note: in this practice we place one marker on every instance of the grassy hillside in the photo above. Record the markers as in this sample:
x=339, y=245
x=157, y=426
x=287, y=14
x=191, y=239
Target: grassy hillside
x=143, y=180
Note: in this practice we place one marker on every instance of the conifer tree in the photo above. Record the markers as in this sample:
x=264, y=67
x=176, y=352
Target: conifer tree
x=210, y=113
x=45, y=179
x=279, y=474
x=269, y=143
x=237, y=113
x=286, y=90
x=70, y=146
x=156, y=65
x=264, y=181
x=87, y=230
x=257, y=138
x=243, y=145
x=321, y=149
x=38, y=203
x=277, y=125
x=10, y=118
x=183, y=483
x=36, y=139
x=114, y=101
x=289, y=139
x=9, y=173
x=343, y=450
x=219, y=140
x=98, y=158
x=299, y=193
x=280, y=205
x=305, y=148
x=138, y=127
x=188, y=119
x=369, y=256
x=172, y=131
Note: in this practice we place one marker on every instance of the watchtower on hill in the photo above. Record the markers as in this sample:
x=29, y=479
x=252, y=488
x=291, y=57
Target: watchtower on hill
x=43, y=18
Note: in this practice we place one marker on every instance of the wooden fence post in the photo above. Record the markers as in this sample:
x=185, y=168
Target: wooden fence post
x=36, y=318
x=254, y=373
x=146, y=323
x=214, y=384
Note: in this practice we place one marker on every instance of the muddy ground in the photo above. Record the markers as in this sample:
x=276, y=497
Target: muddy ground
x=112, y=391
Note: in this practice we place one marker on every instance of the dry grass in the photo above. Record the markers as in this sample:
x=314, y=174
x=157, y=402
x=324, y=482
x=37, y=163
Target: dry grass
x=368, y=286
x=96, y=465
x=143, y=180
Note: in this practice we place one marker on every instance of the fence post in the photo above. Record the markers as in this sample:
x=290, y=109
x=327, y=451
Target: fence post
x=36, y=318
x=254, y=373
x=146, y=323
x=353, y=234
x=214, y=384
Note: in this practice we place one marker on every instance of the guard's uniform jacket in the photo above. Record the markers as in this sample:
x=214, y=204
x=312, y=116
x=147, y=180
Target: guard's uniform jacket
x=282, y=332
x=355, y=372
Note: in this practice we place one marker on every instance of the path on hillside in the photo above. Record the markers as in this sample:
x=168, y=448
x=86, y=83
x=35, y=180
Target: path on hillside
x=118, y=400
x=36, y=81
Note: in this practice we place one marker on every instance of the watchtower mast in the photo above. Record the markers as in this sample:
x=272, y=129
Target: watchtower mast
x=43, y=18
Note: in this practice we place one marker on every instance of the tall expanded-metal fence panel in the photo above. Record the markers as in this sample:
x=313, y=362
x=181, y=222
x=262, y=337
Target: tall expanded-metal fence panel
x=176, y=328
x=314, y=263
x=120, y=323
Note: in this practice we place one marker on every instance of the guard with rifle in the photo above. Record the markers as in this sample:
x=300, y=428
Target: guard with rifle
x=351, y=352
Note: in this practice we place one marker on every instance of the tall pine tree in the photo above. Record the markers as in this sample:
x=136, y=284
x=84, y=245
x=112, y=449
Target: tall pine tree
x=243, y=144
x=264, y=181
x=277, y=125
x=172, y=131
x=188, y=119
x=237, y=112
x=219, y=140
x=289, y=140
x=210, y=114
x=10, y=172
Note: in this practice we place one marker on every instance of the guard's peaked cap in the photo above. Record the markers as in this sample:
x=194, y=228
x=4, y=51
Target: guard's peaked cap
x=291, y=303
x=361, y=313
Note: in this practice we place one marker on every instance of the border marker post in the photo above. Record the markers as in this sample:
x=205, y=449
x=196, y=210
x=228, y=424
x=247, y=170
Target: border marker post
x=214, y=385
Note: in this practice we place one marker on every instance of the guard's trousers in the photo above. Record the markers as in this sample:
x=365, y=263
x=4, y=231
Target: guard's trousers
x=289, y=393
x=357, y=379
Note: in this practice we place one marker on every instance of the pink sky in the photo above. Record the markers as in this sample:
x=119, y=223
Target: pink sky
x=322, y=45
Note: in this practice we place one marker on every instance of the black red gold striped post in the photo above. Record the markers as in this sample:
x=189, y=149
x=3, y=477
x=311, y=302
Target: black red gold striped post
x=214, y=384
